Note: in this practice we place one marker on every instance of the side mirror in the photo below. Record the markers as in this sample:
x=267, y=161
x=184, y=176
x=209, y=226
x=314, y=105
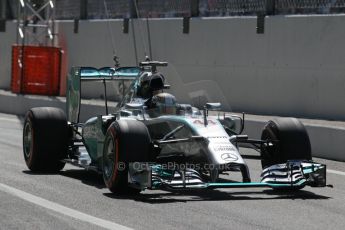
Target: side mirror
x=233, y=124
x=213, y=106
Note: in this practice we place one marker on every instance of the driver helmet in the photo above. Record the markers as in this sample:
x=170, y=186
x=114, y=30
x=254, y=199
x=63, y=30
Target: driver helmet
x=149, y=83
x=164, y=103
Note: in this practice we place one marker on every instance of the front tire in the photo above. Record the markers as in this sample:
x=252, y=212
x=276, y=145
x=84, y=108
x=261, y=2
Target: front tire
x=123, y=138
x=45, y=139
x=290, y=142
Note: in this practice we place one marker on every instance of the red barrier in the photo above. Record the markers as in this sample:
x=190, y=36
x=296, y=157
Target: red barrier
x=38, y=71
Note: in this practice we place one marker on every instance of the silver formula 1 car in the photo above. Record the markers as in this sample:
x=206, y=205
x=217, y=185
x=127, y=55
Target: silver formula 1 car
x=151, y=142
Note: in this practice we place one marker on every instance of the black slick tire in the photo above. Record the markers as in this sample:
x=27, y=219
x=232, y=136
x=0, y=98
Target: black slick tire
x=45, y=138
x=290, y=142
x=123, y=137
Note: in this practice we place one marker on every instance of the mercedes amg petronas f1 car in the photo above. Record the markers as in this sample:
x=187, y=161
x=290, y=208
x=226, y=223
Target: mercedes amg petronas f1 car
x=152, y=142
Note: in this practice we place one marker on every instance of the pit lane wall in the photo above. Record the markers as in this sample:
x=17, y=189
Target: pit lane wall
x=296, y=68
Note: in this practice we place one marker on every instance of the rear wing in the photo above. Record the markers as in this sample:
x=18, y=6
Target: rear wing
x=81, y=74
x=108, y=73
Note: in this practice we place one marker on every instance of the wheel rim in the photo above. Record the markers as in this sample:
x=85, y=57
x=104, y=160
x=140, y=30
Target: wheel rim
x=28, y=139
x=269, y=154
x=109, y=158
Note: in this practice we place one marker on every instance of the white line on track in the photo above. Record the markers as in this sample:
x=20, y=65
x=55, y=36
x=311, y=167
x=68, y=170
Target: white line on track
x=9, y=119
x=336, y=172
x=61, y=209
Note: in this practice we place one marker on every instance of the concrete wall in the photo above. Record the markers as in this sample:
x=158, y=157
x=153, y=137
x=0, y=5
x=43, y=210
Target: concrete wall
x=296, y=68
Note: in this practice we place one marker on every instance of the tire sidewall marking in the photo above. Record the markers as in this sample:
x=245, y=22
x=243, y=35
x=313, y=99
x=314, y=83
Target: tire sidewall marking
x=30, y=158
x=113, y=177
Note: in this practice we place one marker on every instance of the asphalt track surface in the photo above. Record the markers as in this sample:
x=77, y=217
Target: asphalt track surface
x=77, y=199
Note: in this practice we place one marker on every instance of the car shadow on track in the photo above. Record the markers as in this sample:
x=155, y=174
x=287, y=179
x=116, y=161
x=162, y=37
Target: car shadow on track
x=217, y=195
x=87, y=177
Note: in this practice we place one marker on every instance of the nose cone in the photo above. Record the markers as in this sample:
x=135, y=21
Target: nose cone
x=224, y=152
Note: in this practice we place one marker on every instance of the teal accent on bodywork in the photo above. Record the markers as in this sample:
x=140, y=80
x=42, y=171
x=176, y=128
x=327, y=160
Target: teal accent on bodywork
x=255, y=184
x=301, y=183
x=127, y=71
x=307, y=170
x=89, y=72
x=109, y=72
x=163, y=173
x=73, y=95
x=93, y=135
x=168, y=175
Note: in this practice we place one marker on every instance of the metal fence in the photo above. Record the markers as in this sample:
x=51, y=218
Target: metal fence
x=67, y=9
x=159, y=8
x=309, y=6
x=250, y=7
x=232, y=7
x=101, y=9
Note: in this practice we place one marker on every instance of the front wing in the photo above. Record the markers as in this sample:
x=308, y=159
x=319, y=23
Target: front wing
x=291, y=175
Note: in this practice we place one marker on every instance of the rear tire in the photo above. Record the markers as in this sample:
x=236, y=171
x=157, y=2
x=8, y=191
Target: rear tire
x=45, y=139
x=293, y=142
x=122, y=138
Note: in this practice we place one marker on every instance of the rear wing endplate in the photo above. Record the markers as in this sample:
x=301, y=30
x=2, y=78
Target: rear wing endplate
x=81, y=74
